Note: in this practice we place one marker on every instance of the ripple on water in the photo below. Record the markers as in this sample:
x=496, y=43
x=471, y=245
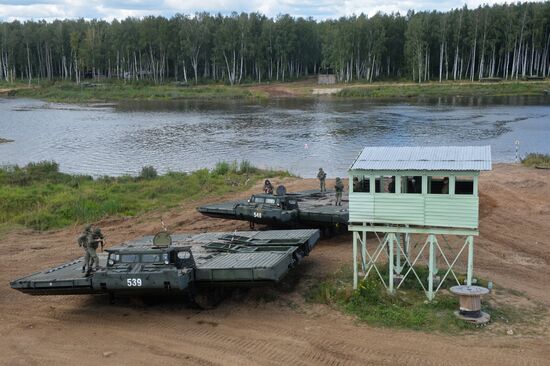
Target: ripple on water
x=299, y=135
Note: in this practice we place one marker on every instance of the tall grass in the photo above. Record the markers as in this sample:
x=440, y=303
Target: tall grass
x=40, y=197
x=536, y=159
x=407, y=308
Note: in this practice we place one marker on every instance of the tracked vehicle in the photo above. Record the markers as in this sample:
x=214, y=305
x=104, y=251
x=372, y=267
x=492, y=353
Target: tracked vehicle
x=301, y=209
x=199, y=266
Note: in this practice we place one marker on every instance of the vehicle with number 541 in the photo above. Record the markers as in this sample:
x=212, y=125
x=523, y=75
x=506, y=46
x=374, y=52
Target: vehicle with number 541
x=300, y=209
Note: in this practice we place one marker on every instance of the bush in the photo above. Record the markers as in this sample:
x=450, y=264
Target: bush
x=44, y=171
x=224, y=168
x=148, y=172
x=536, y=159
x=247, y=167
x=221, y=168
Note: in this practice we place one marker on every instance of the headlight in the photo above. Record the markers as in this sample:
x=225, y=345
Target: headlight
x=111, y=262
x=166, y=262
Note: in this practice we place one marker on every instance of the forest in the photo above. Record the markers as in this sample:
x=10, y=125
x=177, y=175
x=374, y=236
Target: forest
x=509, y=41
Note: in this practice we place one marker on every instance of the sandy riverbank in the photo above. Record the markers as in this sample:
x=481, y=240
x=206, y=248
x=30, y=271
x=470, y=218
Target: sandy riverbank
x=513, y=250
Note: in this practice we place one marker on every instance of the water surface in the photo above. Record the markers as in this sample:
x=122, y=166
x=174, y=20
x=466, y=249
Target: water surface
x=300, y=135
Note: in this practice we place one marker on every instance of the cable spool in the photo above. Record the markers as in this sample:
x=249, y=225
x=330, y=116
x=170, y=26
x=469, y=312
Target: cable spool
x=470, y=303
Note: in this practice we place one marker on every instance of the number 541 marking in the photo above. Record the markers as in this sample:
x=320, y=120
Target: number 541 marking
x=258, y=215
x=133, y=282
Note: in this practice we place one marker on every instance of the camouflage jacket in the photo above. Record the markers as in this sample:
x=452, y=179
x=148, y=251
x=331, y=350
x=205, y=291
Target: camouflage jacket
x=94, y=240
x=83, y=240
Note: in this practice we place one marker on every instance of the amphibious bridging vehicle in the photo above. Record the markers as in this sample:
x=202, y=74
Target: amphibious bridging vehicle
x=170, y=264
x=301, y=209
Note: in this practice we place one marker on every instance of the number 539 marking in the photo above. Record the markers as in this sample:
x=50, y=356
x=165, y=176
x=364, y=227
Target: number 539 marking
x=133, y=282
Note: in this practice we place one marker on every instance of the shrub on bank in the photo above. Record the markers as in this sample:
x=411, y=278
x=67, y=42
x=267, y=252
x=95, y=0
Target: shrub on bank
x=38, y=196
x=536, y=159
x=247, y=167
x=148, y=172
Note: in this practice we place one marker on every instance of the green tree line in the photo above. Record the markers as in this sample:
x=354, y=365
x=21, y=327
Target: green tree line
x=507, y=41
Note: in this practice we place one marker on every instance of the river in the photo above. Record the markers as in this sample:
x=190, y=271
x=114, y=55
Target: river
x=299, y=135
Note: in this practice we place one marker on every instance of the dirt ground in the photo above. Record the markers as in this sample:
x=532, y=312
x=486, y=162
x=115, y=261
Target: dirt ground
x=276, y=326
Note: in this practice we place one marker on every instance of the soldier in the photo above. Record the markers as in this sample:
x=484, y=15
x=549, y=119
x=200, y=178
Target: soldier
x=94, y=240
x=391, y=186
x=445, y=186
x=268, y=187
x=83, y=243
x=339, y=188
x=356, y=185
x=322, y=176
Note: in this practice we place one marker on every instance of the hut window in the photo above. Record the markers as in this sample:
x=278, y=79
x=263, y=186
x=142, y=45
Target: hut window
x=385, y=184
x=390, y=184
x=464, y=185
x=412, y=184
x=361, y=184
x=378, y=184
x=439, y=185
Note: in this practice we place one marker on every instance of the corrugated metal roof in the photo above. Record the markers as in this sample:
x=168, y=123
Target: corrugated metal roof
x=459, y=158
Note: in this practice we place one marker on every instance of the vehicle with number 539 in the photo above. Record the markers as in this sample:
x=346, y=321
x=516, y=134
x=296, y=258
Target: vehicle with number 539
x=202, y=266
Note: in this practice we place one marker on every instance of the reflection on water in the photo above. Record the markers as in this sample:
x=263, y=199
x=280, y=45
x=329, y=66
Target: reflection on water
x=296, y=134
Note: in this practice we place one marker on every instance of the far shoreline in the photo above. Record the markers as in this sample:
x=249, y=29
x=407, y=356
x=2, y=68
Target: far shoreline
x=118, y=91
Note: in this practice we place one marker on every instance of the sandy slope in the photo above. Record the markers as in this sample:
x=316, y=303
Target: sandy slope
x=275, y=325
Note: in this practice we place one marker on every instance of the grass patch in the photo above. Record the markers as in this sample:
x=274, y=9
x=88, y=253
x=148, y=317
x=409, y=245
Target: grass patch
x=536, y=160
x=40, y=197
x=407, y=308
x=118, y=90
x=105, y=91
x=433, y=89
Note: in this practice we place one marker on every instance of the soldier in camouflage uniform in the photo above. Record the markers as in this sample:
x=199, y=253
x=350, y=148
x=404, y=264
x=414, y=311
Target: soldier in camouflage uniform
x=322, y=176
x=268, y=187
x=95, y=239
x=339, y=188
x=83, y=243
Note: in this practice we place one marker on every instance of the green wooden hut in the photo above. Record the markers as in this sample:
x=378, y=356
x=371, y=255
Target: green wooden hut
x=429, y=190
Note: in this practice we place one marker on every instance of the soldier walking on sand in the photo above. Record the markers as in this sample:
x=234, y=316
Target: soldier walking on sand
x=322, y=176
x=83, y=243
x=339, y=188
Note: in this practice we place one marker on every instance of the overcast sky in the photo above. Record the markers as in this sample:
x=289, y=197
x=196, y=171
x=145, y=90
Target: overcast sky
x=318, y=9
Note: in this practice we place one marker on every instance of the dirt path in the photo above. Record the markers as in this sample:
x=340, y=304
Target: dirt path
x=274, y=326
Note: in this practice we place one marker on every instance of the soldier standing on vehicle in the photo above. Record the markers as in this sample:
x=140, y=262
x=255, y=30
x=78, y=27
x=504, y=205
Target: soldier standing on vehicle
x=322, y=176
x=339, y=188
x=83, y=243
x=95, y=239
x=268, y=187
